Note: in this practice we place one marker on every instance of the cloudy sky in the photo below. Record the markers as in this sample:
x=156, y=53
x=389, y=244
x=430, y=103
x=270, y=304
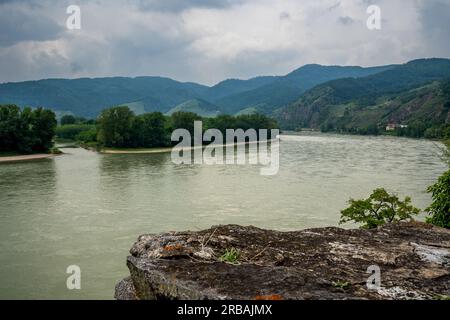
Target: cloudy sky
x=209, y=40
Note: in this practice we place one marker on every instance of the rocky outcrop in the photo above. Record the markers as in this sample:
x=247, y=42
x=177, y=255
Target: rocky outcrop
x=327, y=263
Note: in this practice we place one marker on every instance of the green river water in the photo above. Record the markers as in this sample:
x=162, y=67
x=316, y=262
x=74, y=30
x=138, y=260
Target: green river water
x=86, y=209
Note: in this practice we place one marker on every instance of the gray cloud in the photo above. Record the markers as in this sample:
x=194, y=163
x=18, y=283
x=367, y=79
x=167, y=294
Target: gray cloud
x=17, y=24
x=180, y=5
x=346, y=20
x=285, y=15
x=435, y=19
x=220, y=39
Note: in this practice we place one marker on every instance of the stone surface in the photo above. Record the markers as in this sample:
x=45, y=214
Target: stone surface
x=326, y=263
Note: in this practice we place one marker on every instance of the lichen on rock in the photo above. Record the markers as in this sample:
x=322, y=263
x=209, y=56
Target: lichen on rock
x=413, y=259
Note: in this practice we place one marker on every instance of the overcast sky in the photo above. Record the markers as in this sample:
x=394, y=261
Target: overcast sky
x=207, y=41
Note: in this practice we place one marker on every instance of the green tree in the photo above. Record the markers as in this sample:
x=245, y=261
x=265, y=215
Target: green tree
x=43, y=129
x=68, y=119
x=115, y=127
x=87, y=135
x=71, y=131
x=184, y=120
x=149, y=130
x=440, y=207
x=380, y=208
x=27, y=130
x=9, y=127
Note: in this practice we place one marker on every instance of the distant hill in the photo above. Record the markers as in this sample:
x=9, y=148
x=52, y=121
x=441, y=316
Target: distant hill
x=88, y=96
x=198, y=106
x=286, y=89
x=235, y=86
x=414, y=92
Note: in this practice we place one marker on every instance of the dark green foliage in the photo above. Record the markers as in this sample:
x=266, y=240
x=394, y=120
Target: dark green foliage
x=89, y=135
x=415, y=129
x=10, y=124
x=26, y=131
x=380, y=208
x=67, y=119
x=71, y=131
x=149, y=131
x=119, y=127
x=115, y=127
x=184, y=120
x=440, y=207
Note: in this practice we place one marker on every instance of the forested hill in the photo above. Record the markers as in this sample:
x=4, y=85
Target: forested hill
x=416, y=93
x=88, y=96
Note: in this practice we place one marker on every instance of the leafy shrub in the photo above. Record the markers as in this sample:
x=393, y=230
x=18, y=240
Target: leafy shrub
x=380, y=208
x=67, y=119
x=87, y=135
x=71, y=131
x=440, y=207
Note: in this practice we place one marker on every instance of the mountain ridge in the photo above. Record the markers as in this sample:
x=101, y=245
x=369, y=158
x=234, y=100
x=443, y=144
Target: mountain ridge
x=418, y=92
x=88, y=96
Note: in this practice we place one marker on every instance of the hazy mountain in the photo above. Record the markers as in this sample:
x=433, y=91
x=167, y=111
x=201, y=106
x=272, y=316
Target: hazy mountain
x=88, y=96
x=236, y=86
x=415, y=91
x=284, y=90
x=198, y=106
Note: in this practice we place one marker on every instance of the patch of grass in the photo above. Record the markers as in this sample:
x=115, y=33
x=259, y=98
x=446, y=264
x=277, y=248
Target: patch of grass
x=230, y=256
x=341, y=284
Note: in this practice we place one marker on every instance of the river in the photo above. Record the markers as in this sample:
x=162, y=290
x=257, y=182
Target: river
x=86, y=209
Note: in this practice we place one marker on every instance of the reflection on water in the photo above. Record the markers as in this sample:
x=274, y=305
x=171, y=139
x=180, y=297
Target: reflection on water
x=86, y=209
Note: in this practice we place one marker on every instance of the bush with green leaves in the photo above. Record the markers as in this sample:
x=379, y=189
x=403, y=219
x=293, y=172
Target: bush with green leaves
x=440, y=207
x=380, y=208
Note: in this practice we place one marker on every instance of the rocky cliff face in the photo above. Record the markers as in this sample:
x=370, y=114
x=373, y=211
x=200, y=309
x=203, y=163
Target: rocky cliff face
x=327, y=263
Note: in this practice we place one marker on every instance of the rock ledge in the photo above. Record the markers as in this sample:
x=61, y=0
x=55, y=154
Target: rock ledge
x=325, y=263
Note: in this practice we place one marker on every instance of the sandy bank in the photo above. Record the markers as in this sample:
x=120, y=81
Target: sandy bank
x=27, y=157
x=170, y=149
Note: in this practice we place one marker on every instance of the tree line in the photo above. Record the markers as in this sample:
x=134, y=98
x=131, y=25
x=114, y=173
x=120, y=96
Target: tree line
x=27, y=130
x=120, y=127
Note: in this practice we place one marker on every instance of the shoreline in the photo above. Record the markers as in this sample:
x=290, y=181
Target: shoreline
x=168, y=149
x=26, y=157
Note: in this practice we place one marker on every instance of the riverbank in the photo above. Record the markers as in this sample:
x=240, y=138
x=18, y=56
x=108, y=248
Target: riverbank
x=324, y=263
x=171, y=149
x=27, y=157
